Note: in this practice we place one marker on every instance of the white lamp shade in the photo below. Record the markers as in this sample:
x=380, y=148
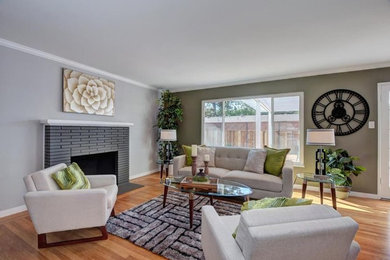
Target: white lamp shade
x=320, y=137
x=168, y=135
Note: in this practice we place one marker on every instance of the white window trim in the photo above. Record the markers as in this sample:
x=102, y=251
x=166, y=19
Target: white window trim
x=301, y=117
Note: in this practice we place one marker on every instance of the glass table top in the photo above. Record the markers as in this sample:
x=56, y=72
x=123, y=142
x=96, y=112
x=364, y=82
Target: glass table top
x=225, y=188
x=315, y=178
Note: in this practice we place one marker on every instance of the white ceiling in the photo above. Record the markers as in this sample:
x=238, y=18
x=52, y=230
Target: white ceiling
x=183, y=44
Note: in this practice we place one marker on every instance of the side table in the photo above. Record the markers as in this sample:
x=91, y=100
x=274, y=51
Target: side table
x=162, y=164
x=321, y=179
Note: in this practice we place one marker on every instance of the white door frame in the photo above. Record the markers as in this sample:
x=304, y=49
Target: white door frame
x=383, y=142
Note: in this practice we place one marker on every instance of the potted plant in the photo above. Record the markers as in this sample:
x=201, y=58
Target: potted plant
x=170, y=114
x=340, y=166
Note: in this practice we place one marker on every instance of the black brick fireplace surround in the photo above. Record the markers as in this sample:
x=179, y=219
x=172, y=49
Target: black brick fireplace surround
x=64, y=142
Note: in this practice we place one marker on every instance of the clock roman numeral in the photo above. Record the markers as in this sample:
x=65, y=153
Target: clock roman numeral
x=360, y=112
x=329, y=125
x=338, y=129
x=328, y=98
x=357, y=103
x=319, y=112
x=357, y=120
x=320, y=104
x=349, y=97
x=339, y=95
x=349, y=127
x=320, y=121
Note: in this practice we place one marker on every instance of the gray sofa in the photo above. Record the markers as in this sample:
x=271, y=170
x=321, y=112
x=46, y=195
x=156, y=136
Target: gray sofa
x=229, y=165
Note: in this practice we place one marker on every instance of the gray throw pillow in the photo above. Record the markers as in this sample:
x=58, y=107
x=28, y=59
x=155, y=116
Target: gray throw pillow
x=255, y=161
x=202, y=151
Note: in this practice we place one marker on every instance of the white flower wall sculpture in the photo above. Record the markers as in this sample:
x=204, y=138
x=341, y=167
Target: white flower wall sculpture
x=87, y=94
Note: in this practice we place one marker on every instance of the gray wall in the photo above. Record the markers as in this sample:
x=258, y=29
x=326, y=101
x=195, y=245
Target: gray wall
x=31, y=90
x=362, y=143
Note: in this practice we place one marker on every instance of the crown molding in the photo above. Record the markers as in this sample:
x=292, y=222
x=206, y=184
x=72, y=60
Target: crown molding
x=289, y=76
x=71, y=63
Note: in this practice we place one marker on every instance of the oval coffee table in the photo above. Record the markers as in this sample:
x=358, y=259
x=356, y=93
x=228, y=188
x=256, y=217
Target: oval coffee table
x=225, y=189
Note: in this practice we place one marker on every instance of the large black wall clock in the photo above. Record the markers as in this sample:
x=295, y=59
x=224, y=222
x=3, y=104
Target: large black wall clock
x=344, y=110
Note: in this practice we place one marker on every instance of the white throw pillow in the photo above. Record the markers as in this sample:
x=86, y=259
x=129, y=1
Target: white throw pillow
x=202, y=151
x=255, y=161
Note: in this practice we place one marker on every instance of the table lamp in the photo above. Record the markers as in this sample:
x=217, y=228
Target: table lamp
x=168, y=135
x=321, y=138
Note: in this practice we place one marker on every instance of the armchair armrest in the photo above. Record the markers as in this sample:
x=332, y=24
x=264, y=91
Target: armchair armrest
x=60, y=210
x=101, y=180
x=287, y=179
x=217, y=242
x=178, y=163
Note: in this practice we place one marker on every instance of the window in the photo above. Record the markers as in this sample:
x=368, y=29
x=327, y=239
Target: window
x=272, y=120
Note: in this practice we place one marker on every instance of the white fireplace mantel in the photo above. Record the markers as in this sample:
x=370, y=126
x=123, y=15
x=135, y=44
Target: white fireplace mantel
x=63, y=122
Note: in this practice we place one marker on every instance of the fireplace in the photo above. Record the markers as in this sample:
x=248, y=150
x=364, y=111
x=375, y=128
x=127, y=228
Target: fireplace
x=99, y=163
x=98, y=149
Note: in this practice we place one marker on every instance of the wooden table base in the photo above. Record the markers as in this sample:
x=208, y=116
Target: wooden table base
x=332, y=190
x=191, y=207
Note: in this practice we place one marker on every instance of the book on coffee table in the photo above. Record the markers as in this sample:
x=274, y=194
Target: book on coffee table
x=210, y=185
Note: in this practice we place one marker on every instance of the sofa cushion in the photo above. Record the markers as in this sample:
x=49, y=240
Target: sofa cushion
x=42, y=179
x=256, y=181
x=231, y=158
x=44, y=182
x=112, y=191
x=213, y=172
x=255, y=161
x=218, y=172
x=185, y=171
x=202, y=151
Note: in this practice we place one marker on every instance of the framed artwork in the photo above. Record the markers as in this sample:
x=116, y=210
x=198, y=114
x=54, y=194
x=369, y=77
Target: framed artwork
x=86, y=94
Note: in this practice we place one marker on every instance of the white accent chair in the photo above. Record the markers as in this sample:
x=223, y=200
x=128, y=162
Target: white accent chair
x=52, y=209
x=303, y=232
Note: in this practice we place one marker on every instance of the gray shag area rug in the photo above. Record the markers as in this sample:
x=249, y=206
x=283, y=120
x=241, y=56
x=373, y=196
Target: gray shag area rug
x=165, y=231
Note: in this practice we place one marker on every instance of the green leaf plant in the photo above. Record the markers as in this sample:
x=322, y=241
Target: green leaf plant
x=340, y=166
x=170, y=114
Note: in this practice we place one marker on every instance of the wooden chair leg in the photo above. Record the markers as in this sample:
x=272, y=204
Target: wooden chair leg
x=112, y=213
x=42, y=240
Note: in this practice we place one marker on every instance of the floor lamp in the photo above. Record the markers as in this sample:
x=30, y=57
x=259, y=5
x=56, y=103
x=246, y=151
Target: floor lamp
x=168, y=136
x=321, y=138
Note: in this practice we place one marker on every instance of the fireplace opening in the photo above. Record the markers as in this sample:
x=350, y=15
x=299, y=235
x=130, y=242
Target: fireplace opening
x=100, y=163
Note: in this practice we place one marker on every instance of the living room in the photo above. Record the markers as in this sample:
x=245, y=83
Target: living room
x=194, y=129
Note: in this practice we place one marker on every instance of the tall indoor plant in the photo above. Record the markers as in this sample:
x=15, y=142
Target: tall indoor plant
x=170, y=114
x=340, y=166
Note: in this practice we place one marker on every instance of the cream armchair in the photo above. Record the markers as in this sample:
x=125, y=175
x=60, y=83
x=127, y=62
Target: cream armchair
x=303, y=232
x=52, y=209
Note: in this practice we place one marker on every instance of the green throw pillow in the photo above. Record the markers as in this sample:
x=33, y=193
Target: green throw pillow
x=187, y=151
x=272, y=203
x=275, y=160
x=81, y=182
x=64, y=179
x=71, y=178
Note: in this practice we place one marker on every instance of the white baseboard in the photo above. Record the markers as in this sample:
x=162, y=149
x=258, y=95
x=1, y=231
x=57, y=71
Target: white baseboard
x=141, y=174
x=12, y=211
x=352, y=194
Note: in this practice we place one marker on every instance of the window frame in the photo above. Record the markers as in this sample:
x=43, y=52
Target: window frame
x=272, y=96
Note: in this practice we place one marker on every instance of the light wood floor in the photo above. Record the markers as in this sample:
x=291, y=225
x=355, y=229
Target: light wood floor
x=18, y=238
